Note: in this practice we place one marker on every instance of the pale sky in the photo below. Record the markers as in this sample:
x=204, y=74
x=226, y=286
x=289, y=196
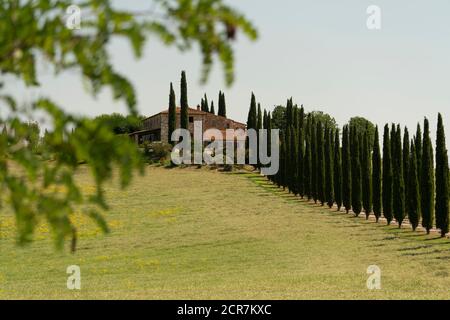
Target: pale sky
x=320, y=52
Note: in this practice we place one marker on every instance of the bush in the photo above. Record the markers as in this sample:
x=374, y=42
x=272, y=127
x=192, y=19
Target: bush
x=156, y=151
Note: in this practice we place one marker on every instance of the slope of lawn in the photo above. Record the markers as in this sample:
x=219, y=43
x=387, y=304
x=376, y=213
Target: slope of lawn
x=201, y=234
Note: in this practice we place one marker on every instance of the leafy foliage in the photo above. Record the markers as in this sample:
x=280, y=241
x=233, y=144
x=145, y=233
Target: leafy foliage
x=34, y=31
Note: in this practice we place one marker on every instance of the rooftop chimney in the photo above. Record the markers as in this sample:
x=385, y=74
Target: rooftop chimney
x=198, y=107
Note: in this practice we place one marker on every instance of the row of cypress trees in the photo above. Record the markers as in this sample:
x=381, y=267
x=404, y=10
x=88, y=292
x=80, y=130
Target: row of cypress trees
x=349, y=169
x=222, y=111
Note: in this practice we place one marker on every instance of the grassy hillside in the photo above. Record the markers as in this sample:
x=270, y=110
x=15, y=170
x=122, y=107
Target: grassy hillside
x=200, y=234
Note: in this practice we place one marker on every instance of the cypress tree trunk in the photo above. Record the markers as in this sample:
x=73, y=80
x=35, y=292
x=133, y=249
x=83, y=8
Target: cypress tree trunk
x=184, y=114
x=427, y=180
x=356, y=174
x=376, y=177
x=442, y=180
x=320, y=164
x=329, y=166
x=399, y=184
x=172, y=114
x=337, y=171
x=346, y=170
x=387, y=176
x=413, y=189
x=367, y=175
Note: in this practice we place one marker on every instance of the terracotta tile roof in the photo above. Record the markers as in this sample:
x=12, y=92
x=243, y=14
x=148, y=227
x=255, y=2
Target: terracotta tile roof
x=193, y=111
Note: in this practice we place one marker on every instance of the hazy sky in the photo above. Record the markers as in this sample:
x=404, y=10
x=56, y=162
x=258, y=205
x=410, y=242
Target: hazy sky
x=319, y=52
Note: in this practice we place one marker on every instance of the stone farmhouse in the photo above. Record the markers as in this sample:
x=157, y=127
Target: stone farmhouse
x=156, y=127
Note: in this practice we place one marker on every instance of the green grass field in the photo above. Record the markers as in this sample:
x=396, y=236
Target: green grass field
x=201, y=234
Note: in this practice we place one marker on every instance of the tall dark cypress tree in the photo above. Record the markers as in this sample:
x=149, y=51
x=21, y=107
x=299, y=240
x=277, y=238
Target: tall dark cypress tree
x=222, y=107
x=293, y=161
x=184, y=114
x=172, y=113
x=281, y=170
x=346, y=170
x=387, y=176
x=376, y=177
x=356, y=174
x=212, y=108
x=287, y=159
x=399, y=183
x=367, y=174
x=418, y=146
x=413, y=189
x=301, y=154
x=320, y=163
x=427, y=180
x=252, y=114
x=307, y=161
x=329, y=167
x=206, y=106
x=314, y=162
x=289, y=112
x=337, y=170
x=259, y=118
x=406, y=154
x=442, y=180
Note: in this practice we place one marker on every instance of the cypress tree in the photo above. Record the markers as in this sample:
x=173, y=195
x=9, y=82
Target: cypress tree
x=293, y=162
x=172, y=113
x=289, y=112
x=259, y=118
x=301, y=154
x=399, y=183
x=252, y=114
x=376, y=177
x=418, y=147
x=206, y=106
x=184, y=114
x=442, y=180
x=337, y=170
x=427, y=180
x=356, y=174
x=346, y=170
x=222, y=108
x=406, y=154
x=387, y=176
x=212, y=108
x=281, y=170
x=320, y=163
x=269, y=128
x=329, y=167
x=314, y=162
x=367, y=175
x=287, y=159
x=307, y=161
x=413, y=189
